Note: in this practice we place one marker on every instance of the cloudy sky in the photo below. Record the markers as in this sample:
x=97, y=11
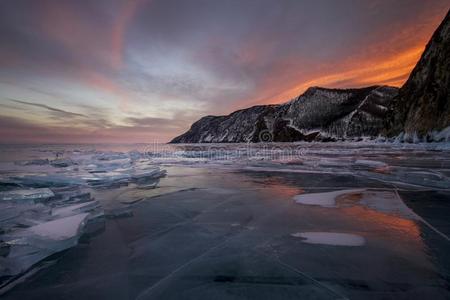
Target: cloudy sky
x=128, y=71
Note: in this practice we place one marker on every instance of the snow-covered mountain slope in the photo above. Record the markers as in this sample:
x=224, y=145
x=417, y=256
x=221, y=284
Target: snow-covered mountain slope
x=318, y=114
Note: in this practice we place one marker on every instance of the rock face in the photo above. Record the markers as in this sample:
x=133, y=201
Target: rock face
x=423, y=103
x=318, y=114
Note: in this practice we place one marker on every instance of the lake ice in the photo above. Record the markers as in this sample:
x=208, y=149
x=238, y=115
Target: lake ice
x=225, y=221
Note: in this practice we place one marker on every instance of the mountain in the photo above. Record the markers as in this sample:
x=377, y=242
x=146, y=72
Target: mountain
x=319, y=114
x=419, y=110
x=423, y=103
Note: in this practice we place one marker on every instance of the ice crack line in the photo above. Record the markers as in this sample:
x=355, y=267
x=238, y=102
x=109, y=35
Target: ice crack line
x=443, y=235
x=147, y=293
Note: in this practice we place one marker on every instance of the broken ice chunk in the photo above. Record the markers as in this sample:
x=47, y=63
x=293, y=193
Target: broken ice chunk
x=142, y=175
x=110, y=156
x=71, y=195
x=53, y=234
x=27, y=195
x=107, y=166
x=61, y=163
x=37, y=162
x=48, y=180
x=14, y=215
x=107, y=179
x=31, y=245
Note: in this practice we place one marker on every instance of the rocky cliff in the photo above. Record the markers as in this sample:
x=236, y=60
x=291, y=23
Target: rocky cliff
x=422, y=107
x=318, y=114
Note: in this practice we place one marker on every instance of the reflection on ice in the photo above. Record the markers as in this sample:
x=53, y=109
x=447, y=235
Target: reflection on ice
x=388, y=202
x=383, y=201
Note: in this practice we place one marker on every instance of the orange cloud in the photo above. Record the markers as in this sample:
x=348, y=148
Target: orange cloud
x=392, y=70
x=388, y=71
x=387, y=62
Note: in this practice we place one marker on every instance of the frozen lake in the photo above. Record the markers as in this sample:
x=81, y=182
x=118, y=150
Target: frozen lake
x=265, y=221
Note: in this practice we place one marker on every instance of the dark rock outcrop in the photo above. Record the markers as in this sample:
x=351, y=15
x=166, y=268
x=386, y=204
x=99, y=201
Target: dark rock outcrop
x=423, y=103
x=318, y=114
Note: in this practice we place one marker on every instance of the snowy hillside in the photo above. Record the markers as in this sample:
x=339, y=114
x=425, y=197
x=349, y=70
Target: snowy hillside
x=318, y=114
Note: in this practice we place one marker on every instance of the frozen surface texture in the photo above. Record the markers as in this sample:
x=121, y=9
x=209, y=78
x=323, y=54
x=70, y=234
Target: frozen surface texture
x=227, y=221
x=47, y=204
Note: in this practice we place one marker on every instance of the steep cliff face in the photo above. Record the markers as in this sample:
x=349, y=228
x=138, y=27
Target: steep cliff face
x=318, y=114
x=341, y=113
x=423, y=103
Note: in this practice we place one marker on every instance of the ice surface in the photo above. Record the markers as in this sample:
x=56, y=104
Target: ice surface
x=360, y=178
x=48, y=180
x=157, y=192
x=370, y=163
x=75, y=209
x=121, y=212
x=10, y=284
x=330, y=238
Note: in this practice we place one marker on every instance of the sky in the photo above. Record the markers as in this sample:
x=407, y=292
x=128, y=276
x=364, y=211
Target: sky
x=142, y=71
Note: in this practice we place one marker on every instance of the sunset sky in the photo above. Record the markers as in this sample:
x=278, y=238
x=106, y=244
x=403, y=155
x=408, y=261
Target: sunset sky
x=128, y=71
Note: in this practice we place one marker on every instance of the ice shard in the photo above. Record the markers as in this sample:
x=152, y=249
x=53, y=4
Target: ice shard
x=33, y=244
x=27, y=195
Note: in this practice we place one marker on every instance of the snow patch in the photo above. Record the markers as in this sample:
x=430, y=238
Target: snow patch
x=327, y=199
x=331, y=238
